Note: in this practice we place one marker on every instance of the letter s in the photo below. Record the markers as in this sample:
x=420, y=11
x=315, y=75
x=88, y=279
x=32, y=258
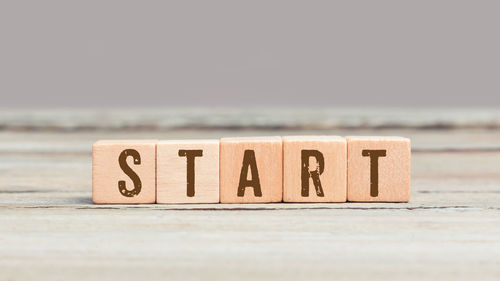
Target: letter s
x=129, y=172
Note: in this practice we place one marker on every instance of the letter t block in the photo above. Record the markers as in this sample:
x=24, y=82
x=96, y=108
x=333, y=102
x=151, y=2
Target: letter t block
x=188, y=171
x=378, y=169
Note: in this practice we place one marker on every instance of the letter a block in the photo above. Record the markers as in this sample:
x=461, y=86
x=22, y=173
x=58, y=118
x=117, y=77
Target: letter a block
x=188, y=171
x=314, y=169
x=378, y=169
x=251, y=170
x=124, y=171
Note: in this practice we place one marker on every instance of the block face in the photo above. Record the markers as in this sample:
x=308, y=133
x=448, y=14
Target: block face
x=314, y=169
x=173, y=167
x=391, y=156
x=247, y=164
x=124, y=172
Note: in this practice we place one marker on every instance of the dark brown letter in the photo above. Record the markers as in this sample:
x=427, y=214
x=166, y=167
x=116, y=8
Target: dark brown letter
x=190, y=155
x=306, y=173
x=122, y=160
x=249, y=163
x=374, y=155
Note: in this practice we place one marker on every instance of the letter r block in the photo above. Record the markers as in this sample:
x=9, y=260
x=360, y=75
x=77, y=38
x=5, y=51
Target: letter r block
x=188, y=171
x=124, y=171
x=251, y=170
x=314, y=169
x=378, y=169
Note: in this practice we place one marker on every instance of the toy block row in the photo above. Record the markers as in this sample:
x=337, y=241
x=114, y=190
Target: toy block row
x=252, y=170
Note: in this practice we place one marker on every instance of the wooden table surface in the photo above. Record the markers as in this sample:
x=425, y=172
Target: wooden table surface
x=50, y=230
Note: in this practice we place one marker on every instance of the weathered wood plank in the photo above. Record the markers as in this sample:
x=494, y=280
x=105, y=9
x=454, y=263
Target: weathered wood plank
x=50, y=230
x=136, y=243
x=244, y=118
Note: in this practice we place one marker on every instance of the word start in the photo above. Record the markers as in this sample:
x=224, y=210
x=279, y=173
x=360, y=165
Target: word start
x=252, y=170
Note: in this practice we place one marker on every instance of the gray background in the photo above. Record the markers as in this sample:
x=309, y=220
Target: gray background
x=267, y=53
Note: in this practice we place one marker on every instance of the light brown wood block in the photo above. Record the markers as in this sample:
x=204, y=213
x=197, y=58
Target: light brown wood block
x=251, y=170
x=378, y=169
x=124, y=171
x=314, y=169
x=188, y=171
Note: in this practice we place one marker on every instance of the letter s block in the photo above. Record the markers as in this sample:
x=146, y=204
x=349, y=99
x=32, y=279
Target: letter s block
x=188, y=171
x=314, y=169
x=378, y=169
x=124, y=172
x=251, y=170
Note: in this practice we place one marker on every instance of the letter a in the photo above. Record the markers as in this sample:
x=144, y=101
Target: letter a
x=249, y=163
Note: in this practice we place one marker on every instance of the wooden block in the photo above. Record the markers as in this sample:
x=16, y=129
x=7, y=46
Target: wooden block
x=188, y=171
x=251, y=170
x=314, y=169
x=124, y=171
x=378, y=169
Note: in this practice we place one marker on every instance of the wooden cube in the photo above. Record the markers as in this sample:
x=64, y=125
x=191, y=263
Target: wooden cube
x=378, y=169
x=188, y=171
x=251, y=170
x=124, y=171
x=314, y=169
